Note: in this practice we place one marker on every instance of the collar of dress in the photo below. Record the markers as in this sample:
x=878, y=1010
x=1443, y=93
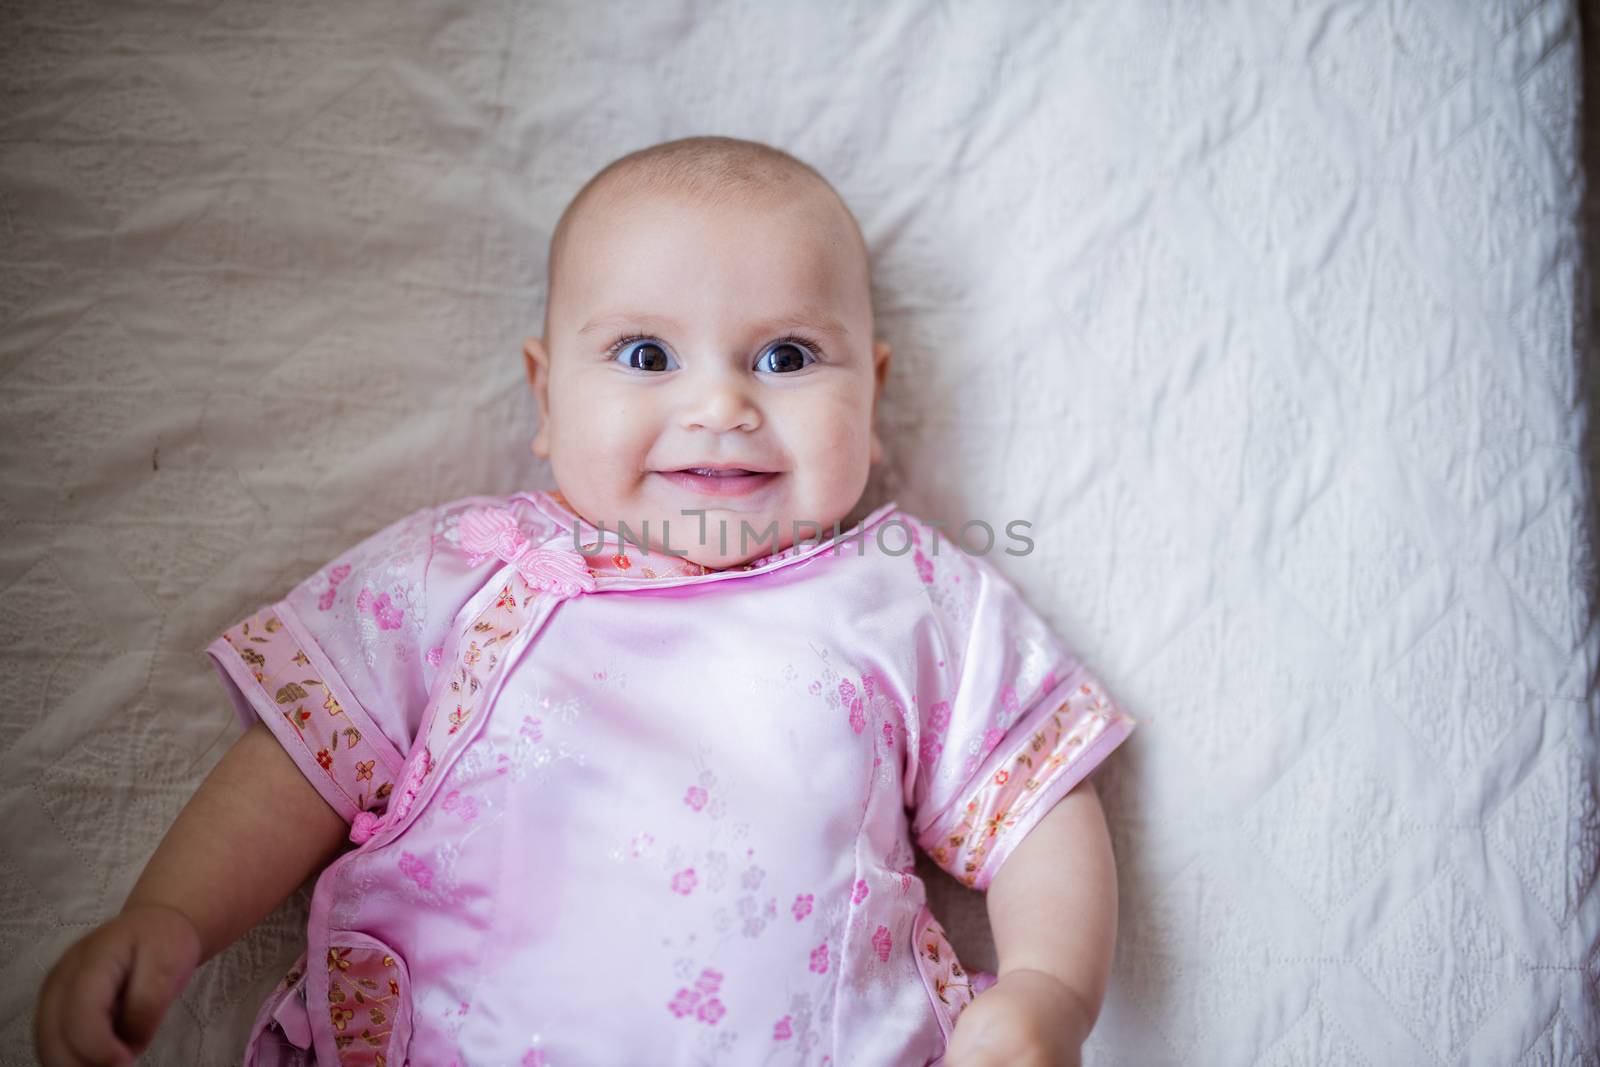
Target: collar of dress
x=633, y=566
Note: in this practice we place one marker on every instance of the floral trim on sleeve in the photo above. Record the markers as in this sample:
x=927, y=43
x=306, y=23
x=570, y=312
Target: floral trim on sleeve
x=1025, y=778
x=288, y=683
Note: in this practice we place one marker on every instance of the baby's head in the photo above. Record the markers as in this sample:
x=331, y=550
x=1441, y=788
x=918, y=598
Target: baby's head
x=708, y=306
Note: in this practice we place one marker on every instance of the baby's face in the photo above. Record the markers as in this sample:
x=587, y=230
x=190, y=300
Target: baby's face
x=691, y=336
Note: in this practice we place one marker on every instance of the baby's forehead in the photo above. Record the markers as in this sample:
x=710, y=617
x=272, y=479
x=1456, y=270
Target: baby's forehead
x=813, y=234
x=807, y=226
x=813, y=208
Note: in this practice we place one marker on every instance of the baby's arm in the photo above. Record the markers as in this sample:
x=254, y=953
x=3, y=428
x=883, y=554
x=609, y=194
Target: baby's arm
x=250, y=835
x=1053, y=911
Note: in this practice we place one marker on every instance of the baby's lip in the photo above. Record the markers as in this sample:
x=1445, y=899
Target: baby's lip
x=728, y=482
x=720, y=470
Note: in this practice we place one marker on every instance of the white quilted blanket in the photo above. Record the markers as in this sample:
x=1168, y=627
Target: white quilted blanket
x=1261, y=312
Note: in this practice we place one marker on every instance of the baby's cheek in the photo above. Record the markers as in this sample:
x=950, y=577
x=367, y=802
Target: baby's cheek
x=602, y=444
x=838, y=424
x=851, y=454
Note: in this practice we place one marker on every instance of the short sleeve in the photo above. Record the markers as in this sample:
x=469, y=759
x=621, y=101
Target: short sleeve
x=1008, y=719
x=339, y=669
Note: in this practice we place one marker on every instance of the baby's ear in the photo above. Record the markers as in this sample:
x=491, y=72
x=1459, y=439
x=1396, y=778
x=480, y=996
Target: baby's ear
x=880, y=376
x=537, y=358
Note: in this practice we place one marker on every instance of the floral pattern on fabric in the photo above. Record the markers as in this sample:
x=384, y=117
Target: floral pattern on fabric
x=367, y=993
x=630, y=563
x=951, y=987
x=496, y=855
x=1002, y=808
x=331, y=733
x=378, y=585
x=495, y=629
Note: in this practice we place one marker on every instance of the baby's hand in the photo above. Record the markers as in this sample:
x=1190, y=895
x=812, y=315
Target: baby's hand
x=1026, y=1019
x=104, y=998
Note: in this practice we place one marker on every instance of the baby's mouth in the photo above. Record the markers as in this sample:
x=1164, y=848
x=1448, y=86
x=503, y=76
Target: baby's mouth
x=719, y=481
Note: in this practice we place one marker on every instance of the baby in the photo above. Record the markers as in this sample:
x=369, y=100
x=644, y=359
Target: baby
x=575, y=797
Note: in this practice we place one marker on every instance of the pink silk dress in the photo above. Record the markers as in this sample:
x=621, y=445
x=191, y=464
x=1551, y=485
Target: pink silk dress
x=611, y=807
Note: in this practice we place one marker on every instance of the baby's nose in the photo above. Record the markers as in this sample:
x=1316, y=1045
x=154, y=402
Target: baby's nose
x=721, y=407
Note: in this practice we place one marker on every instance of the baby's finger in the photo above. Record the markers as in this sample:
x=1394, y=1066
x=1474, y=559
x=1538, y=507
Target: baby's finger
x=153, y=982
x=47, y=1039
x=86, y=1008
x=54, y=1012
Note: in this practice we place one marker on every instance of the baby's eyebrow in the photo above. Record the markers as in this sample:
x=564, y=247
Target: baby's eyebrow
x=807, y=318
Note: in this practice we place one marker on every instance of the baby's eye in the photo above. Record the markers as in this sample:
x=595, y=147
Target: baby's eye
x=788, y=355
x=642, y=354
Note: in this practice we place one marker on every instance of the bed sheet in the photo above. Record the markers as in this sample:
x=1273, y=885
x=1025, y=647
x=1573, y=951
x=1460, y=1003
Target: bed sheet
x=1264, y=314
